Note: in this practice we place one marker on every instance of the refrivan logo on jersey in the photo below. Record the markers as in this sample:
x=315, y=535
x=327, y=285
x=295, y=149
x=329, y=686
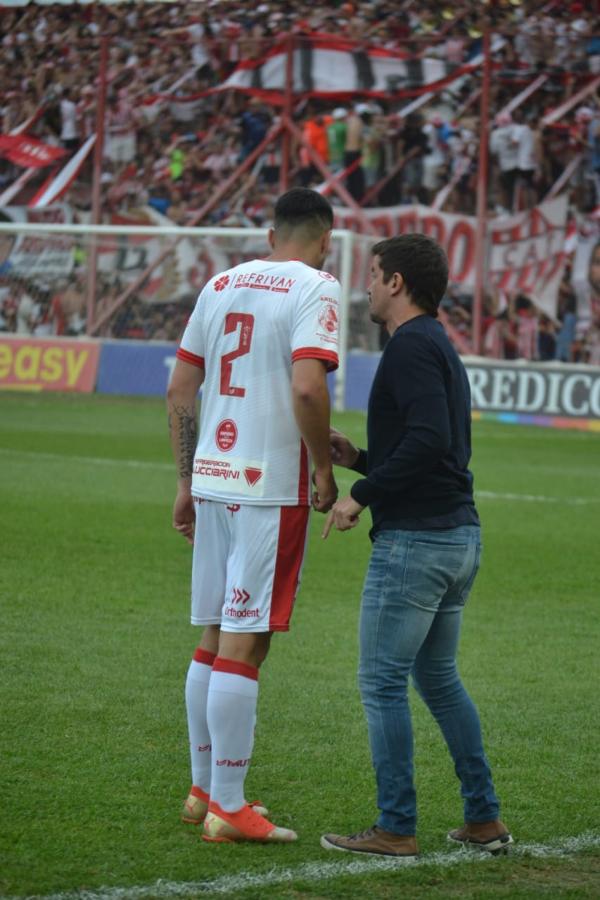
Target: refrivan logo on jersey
x=278, y=284
x=226, y=435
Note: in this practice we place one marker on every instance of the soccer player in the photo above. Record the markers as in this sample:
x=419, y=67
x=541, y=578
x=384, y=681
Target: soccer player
x=260, y=340
x=426, y=550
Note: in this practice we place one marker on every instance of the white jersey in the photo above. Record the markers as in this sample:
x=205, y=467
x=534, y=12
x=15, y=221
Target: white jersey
x=249, y=325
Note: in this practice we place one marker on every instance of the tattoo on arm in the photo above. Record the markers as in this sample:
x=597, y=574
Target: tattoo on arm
x=182, y=422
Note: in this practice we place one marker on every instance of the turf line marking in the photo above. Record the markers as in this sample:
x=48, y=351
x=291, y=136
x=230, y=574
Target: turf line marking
x=536, y=498
x=319, y=871
x=169, y=467
x=88, y=460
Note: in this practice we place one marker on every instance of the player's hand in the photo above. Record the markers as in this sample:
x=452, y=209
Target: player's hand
x=184, y=515
x=343, y=515
x=325, y=492
x=343, y=451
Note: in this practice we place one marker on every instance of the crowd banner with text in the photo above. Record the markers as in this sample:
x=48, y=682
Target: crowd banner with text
x=526, y=251
x=33, y=364
x=557, y=395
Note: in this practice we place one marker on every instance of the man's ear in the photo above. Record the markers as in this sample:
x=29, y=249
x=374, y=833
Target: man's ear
x=397, y=283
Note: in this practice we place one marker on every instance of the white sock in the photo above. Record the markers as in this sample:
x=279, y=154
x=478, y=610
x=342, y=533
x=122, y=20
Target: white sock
x=231, y=714
x=196, y=696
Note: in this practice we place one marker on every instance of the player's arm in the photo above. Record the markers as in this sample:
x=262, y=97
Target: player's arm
x=182, y=397
x=311, y=408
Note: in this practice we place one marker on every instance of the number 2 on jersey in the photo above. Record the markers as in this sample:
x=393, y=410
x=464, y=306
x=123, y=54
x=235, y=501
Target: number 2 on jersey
x=246, y=323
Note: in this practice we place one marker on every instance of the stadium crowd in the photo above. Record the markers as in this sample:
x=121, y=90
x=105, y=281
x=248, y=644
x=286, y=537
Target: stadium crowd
x=170, y=141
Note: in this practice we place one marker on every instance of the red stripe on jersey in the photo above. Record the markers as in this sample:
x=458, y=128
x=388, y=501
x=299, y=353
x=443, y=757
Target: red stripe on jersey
x=328, y=356
x=191, y=358
x=221, y=664
x=293, y=523
x=203, y=656
x=303, y=493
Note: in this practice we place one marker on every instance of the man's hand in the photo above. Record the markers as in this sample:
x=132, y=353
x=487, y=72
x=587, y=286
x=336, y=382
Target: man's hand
x=343, y=451
x=184, y=516
x=325, y=492
x=343, y=515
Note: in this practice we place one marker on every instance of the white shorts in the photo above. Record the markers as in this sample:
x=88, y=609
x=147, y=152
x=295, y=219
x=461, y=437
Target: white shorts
x=247, y=565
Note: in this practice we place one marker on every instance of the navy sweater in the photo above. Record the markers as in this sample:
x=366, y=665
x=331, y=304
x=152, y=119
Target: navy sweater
x=419, y=434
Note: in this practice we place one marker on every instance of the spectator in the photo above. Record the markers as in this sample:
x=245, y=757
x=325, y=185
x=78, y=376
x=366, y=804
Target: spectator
x=505, y=146
x=528, y=159
x=254, y=123
x=336, y=138
x=355, y=181
x=546, y=339
x=413, y=148
x=68, y=121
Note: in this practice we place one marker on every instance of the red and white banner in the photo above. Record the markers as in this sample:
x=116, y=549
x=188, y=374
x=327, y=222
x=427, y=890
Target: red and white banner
x=525, y=252
x=56, y=185
x=324, y=66
x=28, y=152
x=16, y=187
x=38, y=256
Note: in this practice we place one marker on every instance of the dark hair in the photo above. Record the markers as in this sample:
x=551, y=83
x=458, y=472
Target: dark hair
x=422, y=264
x=305, y=209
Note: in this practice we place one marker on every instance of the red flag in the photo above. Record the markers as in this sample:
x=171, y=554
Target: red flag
x=28, y=152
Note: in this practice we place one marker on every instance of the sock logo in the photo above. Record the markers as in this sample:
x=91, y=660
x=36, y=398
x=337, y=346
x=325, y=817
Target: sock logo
x=204, y=747
x=238, y=763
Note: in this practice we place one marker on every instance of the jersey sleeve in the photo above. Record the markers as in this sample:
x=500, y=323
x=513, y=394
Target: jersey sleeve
x=191, y=348
x=316, y=320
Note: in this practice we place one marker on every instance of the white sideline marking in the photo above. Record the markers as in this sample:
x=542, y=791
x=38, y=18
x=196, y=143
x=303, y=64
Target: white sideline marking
x=537, y=498
x=318, y=871
x=170, y=467
x=89, y=460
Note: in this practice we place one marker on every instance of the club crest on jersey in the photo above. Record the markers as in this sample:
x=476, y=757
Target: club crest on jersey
x=226, y=435
x=328, y=319
x=326, y=276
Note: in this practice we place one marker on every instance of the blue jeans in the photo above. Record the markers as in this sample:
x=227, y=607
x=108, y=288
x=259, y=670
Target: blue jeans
x=416, y=586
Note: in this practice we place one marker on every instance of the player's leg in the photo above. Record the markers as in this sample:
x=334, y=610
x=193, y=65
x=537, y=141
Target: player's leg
x=209, y=566
x=266, y=556
x=436, y=678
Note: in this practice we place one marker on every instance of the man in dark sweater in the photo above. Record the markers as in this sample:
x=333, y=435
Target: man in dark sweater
x=425, y=555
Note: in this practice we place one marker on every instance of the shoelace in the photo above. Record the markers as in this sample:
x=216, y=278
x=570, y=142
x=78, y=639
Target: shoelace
x=363, y=835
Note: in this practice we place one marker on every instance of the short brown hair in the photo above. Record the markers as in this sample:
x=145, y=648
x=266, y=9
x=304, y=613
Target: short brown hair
x=423, y=266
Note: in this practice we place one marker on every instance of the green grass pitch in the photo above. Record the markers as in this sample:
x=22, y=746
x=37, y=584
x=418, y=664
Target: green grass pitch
x=94, y=587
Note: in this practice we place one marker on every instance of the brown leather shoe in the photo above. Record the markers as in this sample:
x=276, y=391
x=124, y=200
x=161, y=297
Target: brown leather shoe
x=493, y=837
x=374, y=842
